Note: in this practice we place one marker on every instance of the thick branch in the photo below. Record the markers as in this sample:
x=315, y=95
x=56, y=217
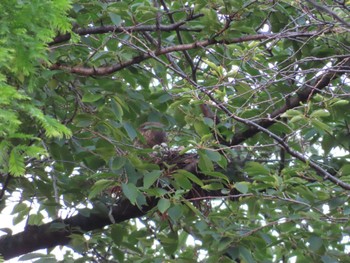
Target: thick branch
x=325, y=79
x=342, y=67
x=58, y=232
x=320, y=171
x=101, y=71
x=302, y=96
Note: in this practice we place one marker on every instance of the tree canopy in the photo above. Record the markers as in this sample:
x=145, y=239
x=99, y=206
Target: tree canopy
x=248, y=103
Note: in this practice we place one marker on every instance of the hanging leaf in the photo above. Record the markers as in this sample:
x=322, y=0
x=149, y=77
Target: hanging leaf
x=163, y=205
x=131, y=192
x=16, y=162
x=99, y=187
x=150, y=178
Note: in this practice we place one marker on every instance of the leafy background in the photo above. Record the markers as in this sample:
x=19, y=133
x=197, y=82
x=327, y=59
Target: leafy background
x=253, y=93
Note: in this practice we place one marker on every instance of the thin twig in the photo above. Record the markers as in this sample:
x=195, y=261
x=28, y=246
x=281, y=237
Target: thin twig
x=320, y=171
x=328, y=11
x=119, y=29
x=106, y=70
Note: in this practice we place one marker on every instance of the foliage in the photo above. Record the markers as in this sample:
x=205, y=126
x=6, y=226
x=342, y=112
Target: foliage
x=254, y=96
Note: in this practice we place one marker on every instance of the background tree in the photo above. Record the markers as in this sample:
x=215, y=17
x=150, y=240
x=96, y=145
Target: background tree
x=253, y=96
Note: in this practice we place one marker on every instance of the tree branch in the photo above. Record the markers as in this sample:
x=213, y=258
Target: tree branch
x=58, y=231
x=324, y=80
x=328, y=11
x=302, y=96
x=311, y=88
x=120, y=29
x=179, y=37
x=102, y=71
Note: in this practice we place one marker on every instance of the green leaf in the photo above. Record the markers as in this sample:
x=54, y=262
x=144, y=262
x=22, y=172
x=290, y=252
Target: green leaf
x=191, y=176
x=53, y=128
x=254, y=168
x=91, y=97
x=84, y=120
x=182, y=181
x=224, y=243
x=213, y=186
x=297, y=118
x=204, y=163
x=175, y=212
x=169, y=242
x=20, y=217
x=291, y=113
x=16, y=162
x=131, y=192
x=99, y=187
x=315, y=243
x=116, y=19
x=163, y=205
x=246, y=255
x=340, y=103
x=321, y=125
x=213, y=155
x=242, y=187
x=130, y=130
x=118, y=254
x=329, y=259
x=64, y=160
x=150, y=178
x=117, y=163
x=35, y=219
x=105, y=149
x=35, y=151
x=117, y=110
x=19, y=208
x=320, y=113
x=201, y=128
x=164, y=98
x=218, y=175
x=243, y=90
x=209, y=122
x=117, y=233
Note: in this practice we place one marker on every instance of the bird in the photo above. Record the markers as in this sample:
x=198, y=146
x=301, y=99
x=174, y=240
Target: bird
x=153, y=133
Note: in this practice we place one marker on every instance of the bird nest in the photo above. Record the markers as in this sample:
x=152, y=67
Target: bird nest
x=173, y=159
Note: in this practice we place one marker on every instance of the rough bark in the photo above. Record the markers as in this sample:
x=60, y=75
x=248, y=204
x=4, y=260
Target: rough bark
x=58, y=231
